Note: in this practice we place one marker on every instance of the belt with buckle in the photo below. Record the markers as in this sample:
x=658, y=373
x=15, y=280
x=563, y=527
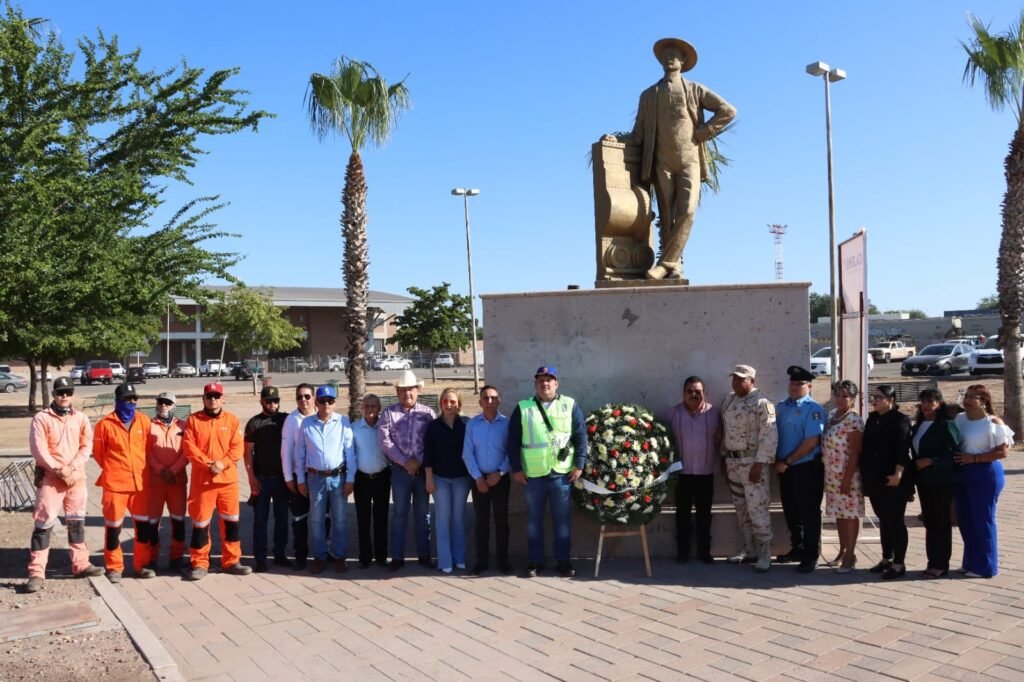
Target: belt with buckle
x=338, y=471
x=376, y=474
x=740, y=454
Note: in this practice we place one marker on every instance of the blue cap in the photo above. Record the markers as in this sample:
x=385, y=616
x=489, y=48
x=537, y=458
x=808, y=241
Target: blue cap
x=325, y=392
x=546, y=370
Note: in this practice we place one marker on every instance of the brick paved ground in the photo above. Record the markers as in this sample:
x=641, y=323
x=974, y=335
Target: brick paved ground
x=709, y=622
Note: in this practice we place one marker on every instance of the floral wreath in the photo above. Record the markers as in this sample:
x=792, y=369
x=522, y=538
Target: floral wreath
x=628, y=458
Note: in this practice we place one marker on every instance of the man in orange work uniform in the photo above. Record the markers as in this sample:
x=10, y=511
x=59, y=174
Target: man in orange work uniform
x=213, y=443
x=119, y=448
x=59, y=438
x=167, y=479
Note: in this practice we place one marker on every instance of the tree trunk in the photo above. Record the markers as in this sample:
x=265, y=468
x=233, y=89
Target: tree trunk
x=44, y=367
x=1011, y=284
x=31, y=384
x=355, y=270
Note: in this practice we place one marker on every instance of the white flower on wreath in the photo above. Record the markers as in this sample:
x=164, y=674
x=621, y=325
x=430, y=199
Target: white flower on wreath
x=620, y=479
x=608, y=436
x=628, y=429
x=626, y=409
x=609, y=503
x=602, y=450
x=634, y=507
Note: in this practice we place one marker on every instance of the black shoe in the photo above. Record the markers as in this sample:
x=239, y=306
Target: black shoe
x=396, y=564
x=807, y=566
x=382, y=563
x=682, y=559
x=478, y=568
x=299, y=565
x=566, y=570
x=261, y=567
x=426, y=561
x=180, y=564
x=881, y=567
x=506, y=568
x=789, y=557
x=533, y=569
x=364, y=564
x=893, y=572
x=282, y=561
x=706, y=559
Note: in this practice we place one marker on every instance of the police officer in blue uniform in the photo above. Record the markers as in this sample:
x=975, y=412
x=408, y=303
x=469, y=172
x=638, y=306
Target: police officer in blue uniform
x=800, y=421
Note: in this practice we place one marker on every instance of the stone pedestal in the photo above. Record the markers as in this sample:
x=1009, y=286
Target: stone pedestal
x=638, y=345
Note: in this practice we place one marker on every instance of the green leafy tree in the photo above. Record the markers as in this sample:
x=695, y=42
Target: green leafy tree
x=436, y=320
x=356, y=101
x=249, y=320
x=86, y=152
x=997, y=60
x=821, y=306
x=990, y=302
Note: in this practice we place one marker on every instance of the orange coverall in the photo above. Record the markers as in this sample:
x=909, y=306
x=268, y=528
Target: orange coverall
x=164, y=452
x=120, y=451
x=56, y=442
x=207, y=440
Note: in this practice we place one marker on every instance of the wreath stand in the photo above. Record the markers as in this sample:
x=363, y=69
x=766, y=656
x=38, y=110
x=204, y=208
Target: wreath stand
x=622, y=534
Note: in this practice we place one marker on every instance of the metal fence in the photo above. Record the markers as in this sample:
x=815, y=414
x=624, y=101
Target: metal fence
x=338, y=362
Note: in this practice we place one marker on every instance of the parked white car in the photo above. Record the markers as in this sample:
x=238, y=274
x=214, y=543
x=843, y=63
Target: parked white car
x=76, y=373
x=183, y=369
x=988, y=359
x=821, y=362
x=117, y=369
x=151, y=370
x=392, y=362
x=444, y=360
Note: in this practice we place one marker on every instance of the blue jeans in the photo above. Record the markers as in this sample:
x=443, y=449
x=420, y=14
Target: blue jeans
x=327, y=493
x=539, y=492
x=403, y=489
x=272, y=488
x=450, y=509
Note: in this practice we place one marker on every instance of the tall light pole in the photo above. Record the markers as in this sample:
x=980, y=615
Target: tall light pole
x=466, y=194
x=830, y=76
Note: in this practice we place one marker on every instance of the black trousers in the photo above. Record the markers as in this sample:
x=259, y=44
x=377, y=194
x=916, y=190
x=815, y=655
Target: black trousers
x=936, y=501
x=694, y=490
x=890, y=506
x=299, y=507
x=372, y=493
x=494, y=500
x=802, y=488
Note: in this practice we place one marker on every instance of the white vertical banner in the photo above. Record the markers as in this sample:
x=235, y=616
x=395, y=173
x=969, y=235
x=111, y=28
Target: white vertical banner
x=853, y=314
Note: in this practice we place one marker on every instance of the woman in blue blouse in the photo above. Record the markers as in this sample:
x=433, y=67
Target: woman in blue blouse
x=448, y=480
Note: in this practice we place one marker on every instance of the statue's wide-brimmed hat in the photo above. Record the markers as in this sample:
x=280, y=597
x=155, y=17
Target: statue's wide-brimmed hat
x=688, y=50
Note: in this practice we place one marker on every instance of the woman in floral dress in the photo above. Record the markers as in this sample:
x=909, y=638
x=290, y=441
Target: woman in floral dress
x=844, y=499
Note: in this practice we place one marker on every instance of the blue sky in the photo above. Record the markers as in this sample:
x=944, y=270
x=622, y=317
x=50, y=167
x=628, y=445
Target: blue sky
x=508, y=98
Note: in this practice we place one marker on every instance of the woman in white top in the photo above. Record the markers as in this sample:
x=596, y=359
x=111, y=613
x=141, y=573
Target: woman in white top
x=984, y=440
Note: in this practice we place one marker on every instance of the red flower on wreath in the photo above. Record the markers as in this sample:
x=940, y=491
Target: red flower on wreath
x=664, y=460
x=592, y=428
x=611, y=486
x=632, y=421
x=614, y=453
x=634, y=460
x=596, y=501
x=616, y=413
x=629, y=474
x=629, y=496
x=646, y=446
x=648, y=425
x=627, y=444
x=647, y=499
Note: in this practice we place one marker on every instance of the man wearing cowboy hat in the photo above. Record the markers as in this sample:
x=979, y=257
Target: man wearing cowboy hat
x=671, y=130
x=400, y=434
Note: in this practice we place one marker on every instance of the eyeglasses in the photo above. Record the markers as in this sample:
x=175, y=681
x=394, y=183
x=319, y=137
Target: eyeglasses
x=64, y=393
x=213, y=396
x=164, y=402
x=304, y=396
x=329, y=401
x=130, y=399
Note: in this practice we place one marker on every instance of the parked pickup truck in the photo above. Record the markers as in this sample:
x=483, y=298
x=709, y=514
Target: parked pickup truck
x=211, y=368
x=888, y=351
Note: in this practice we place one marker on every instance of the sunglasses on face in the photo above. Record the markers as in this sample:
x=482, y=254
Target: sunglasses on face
x=64, y=393
x=213, y=396
x=329, y=401
x=304, y=396
x=167, y=403
x=130, y=399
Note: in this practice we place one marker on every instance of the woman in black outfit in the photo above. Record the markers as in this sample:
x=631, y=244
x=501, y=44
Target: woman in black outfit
x=933, y=443
x=885, y=472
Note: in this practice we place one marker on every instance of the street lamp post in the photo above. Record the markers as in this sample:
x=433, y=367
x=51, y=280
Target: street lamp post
x=830, y=76
x=466, y=194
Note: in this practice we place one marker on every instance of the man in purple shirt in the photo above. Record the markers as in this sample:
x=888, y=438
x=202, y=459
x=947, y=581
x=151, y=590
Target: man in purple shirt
x=696, y=424
x=400, y=434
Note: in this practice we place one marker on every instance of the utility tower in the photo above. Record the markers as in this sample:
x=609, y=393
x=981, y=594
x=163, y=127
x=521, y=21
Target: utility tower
x=778, y=231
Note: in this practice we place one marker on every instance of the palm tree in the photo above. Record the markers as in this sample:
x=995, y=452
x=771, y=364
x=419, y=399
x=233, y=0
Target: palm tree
x=356, y=101
x=998, y=61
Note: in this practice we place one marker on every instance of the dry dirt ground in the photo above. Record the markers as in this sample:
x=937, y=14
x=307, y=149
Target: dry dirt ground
x=106, y=652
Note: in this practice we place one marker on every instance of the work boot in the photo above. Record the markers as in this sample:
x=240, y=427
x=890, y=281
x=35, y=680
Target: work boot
x=179, y=565
x=747, y=554
x=566, y=570
x=146, y=573
x=764, y=557
x=318, y=566
x=197, y=573
x=33, y=585
x=114, y=576
x=90, y=571
x=237, y=569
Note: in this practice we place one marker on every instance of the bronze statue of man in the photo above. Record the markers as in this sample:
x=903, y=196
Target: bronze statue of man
x=671, y=130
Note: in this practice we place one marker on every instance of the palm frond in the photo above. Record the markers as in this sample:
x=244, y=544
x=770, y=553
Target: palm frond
x=998, y=61
x=716, y=160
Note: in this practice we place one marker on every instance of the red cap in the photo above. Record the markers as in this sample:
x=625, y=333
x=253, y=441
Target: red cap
x=215, y=387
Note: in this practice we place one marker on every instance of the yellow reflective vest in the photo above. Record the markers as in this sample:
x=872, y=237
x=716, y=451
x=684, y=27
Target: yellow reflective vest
x=540, y=447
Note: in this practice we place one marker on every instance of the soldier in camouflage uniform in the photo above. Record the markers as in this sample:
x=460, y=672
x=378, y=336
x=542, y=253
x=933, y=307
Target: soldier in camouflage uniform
x=748, y=446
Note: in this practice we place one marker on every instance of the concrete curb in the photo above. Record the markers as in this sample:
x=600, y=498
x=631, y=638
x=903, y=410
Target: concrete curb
x=153, y=650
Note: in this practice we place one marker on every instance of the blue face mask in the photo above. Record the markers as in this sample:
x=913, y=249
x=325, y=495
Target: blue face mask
x=125, y=411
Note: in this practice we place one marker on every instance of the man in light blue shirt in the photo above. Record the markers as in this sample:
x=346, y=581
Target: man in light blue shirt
x=373, y=486
x=485, y=452
x=325, y=463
